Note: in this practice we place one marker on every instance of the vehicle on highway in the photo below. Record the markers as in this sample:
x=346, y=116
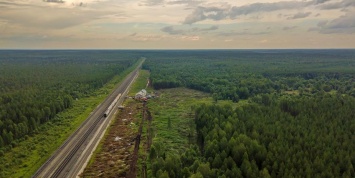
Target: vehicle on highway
x=108, y=110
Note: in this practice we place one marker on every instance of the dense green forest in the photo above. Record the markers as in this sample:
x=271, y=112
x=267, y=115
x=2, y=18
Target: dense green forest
x=293, y=113
x=240, y=74
x=36, y=85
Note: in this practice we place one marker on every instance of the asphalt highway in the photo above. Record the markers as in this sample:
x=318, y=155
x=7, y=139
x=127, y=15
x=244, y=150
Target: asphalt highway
x=70, y=158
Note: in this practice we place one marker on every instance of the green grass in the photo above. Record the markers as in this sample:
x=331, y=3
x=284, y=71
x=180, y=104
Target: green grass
x=140, y=83
x=24, y=159
x=177, y=105
x=293, y=92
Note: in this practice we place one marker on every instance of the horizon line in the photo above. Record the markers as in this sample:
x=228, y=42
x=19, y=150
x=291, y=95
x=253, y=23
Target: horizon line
x=173, y=49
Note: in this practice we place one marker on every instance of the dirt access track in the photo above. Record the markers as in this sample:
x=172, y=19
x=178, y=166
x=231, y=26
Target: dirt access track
x=114, y=154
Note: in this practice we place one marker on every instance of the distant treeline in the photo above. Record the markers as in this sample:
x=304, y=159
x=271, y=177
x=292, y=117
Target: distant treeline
x=36, y=85
x=238, y=75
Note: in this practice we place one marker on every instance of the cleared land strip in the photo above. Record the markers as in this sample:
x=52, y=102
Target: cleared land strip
x=69, y=159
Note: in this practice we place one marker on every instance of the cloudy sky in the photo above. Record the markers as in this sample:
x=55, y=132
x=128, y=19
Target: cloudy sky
x=176, y=24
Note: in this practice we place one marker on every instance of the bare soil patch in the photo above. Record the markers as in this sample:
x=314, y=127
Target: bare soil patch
x=115, y=153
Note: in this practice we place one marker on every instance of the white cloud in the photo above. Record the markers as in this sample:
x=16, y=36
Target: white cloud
x=173, y=31
x=243, y=33
x=289, y=28
x=231, y=12
x=188, y=3
x=174, y=23
x=190, y=38
x=153, y=2
x=300, y=15
x=338, y=4
x=218, y=12
x=343, y=24
x=263, y=41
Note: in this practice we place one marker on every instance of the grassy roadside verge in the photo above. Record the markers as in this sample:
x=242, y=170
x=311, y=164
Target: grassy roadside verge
x=30, y=154
x=140, y=83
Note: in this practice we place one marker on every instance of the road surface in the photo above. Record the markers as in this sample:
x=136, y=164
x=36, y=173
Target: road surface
x=71, y=158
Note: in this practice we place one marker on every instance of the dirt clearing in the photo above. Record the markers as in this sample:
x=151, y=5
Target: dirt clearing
x=114, y=154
